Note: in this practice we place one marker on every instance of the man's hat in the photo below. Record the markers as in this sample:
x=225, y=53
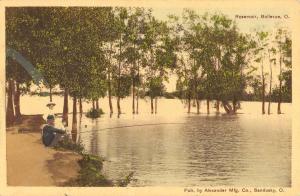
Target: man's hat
x=50, y=104
x=50, y=117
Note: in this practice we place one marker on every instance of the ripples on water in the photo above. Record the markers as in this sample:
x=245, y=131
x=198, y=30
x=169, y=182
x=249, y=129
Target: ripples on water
x=248, y=149
x=204, y=150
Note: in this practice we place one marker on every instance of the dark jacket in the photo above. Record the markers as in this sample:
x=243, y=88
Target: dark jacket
x=48, y=134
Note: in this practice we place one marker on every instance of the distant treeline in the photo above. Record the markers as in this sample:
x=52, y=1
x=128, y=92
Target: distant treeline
x=245, y=97
x=178, y=95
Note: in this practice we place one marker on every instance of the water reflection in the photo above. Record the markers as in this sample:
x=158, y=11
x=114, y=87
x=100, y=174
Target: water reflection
x=215, y=149
x=173, y=148
x=199, y=151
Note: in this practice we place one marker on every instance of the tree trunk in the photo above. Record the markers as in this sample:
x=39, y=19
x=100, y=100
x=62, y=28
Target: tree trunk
x=138, y=89
x=109, y=95
x=234, y=102
x=17, y=101
x=218, y=106
x=94, y=107
x=119, y=77
x=118, y=105
x=50, y=93
x=207, y=105
x=270, y=89
x=97, y=104
x=151, y=105
x=137, y=102
x=10, y=115
x=198, y=106
x=263, y=95
x=80, y=106
x=109, y=83
x=133, y=97
x=263, y=88
x=280, y=85
x=269, y=105
x=228, y=108
x=189, y=104
x=74, y=120
x=194, y=103
x=133, y=84
x=65, y=107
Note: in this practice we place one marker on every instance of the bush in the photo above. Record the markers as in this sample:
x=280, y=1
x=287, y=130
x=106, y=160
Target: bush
x=90, y=173
x=124, y=182
x=67, y=144
x=94, y=113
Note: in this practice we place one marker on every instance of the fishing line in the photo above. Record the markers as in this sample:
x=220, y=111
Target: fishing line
x=128, y=126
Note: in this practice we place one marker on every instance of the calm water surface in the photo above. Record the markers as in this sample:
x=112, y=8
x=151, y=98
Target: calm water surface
x=173, y=148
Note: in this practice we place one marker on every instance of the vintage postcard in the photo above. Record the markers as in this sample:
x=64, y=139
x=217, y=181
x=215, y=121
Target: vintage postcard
x=150, y=97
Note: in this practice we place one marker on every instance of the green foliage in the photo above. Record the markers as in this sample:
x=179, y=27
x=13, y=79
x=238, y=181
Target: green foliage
x=125, y=84
x=60, y=48
x=67, y=144
x=18, y=22
x=217, y=55
x=286, y=90
x=94, y=113
x=124, y=182
x=91, y=166
x=90, y=173
x=92, y=50
x=155, y=87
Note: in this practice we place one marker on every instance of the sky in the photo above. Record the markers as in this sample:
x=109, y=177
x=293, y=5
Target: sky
x=245, y=25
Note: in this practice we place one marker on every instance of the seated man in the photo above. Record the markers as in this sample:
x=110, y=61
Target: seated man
x=50, y=134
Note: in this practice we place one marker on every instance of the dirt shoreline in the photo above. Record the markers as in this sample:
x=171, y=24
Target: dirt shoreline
x=29, y=163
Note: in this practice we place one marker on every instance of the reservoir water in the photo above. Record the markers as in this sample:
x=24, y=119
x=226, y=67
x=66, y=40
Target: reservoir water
x=173, y=148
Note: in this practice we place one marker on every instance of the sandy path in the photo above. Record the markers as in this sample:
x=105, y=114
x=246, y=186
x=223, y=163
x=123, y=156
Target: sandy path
x=29, y=163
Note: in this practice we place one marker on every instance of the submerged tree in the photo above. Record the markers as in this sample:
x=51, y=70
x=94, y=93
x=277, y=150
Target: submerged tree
x=272, y=60
x=284, y=46
x=261, y=52
x=154, y=59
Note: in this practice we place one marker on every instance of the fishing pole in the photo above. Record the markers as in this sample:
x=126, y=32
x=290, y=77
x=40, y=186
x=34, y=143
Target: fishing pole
x=128, y=126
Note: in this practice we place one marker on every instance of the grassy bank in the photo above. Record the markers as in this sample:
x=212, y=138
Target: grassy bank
x=91, y=166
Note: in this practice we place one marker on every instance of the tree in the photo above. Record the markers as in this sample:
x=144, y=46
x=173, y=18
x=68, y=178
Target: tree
x=127, y=51
x=110, y=37
x=227, y=52
x=192, y=44
x=261, y=51
x=284, y=47
x=218, y=55
x=74, y=60
x=18, y=21
x=121, y=16
x=159, y=49
x=151, y=30
x=272, y=60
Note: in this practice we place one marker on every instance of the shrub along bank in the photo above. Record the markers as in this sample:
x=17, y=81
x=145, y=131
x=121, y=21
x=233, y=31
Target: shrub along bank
x=91, y=166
